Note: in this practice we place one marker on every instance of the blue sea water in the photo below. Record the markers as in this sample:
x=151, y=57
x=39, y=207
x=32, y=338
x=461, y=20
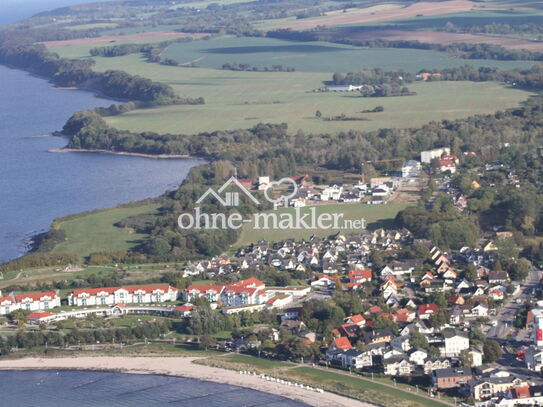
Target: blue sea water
x=51, y=388
x=37, y=186
x=13, y=10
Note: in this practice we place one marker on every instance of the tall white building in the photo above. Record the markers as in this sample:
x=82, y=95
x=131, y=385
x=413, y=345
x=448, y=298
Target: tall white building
x=427, y=156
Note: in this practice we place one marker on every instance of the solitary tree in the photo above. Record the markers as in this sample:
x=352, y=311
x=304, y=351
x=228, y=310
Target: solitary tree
x=492, y=351
x=206, y=342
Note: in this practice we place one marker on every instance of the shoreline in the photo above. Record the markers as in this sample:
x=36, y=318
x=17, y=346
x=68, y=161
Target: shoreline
x=143, y=155
x=181, y=367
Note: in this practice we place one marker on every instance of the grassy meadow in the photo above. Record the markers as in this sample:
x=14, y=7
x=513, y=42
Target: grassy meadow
x=97, y=231
x=239, y=99
x=315, y=56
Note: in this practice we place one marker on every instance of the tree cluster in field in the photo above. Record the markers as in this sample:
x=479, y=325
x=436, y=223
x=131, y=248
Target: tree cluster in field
x=248, y=67
x=205, y=320
x=377, y=82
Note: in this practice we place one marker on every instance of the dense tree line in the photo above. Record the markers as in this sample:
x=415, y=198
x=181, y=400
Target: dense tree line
x=68, y=72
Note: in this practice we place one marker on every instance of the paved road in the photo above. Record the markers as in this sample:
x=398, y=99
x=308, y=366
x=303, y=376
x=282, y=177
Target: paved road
x=506, y=315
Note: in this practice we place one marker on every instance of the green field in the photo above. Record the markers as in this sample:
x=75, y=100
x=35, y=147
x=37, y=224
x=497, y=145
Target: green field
x=315, y=56
x=514, y=16
x=353, y=385
x=376, y=216
x=239, y=100
x=96, y=232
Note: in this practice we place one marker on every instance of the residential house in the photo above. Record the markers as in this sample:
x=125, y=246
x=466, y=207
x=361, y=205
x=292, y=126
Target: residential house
x=533, y=357
x=427, y=156
x=356, y=359
x=38, y=301
x=7, y=305
x=411, y=169
x=455, y=342
x=398, y=366
x=360, y=276
x=431, y=364
x=486, y=387
x=418, y=356
x=425, y=311
x=451, y=378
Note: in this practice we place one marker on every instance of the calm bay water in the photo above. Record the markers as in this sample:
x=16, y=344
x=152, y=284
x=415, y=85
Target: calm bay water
x=13, y=10
x=101, y=389
x=37, y=186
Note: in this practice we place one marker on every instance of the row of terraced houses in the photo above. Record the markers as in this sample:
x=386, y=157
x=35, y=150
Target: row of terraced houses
x=89, y=297
x=247, y=292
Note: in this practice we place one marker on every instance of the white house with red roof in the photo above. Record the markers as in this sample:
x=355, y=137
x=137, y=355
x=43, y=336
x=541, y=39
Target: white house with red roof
x=425, y=311
x=37, y=301
x=38, y=317
x=247, y=292
x=122, y=295
x=360, y=276
x=211, y=293
x=7, y=305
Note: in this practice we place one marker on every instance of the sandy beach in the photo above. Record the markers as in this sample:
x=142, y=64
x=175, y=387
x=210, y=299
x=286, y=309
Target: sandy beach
x=182, y=366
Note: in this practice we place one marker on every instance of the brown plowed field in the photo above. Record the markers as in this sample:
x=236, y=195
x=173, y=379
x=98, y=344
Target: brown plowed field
x=382, y=13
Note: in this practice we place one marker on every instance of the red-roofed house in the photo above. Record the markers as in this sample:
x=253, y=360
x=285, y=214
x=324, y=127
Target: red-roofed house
x=7, y=305
x=360, y=276
x=354, y=286
x=246, y=182
x=375, y=310
x=349, y=330
x=38, y=301
x=356, y=319
x=210, y=292
x=447, y=165
x=424, y=311
x=323, y=281
x=342, y=343
x=122, y=295
x=403, y=315
x=184, y=310
x=37, y=317
x=246, y=292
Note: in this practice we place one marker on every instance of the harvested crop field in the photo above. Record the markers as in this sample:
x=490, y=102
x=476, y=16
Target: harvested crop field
x=444, y=38
x=135, y=38
x=380, y=13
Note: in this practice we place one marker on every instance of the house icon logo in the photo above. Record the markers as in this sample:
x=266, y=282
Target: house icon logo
x=230, y=199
